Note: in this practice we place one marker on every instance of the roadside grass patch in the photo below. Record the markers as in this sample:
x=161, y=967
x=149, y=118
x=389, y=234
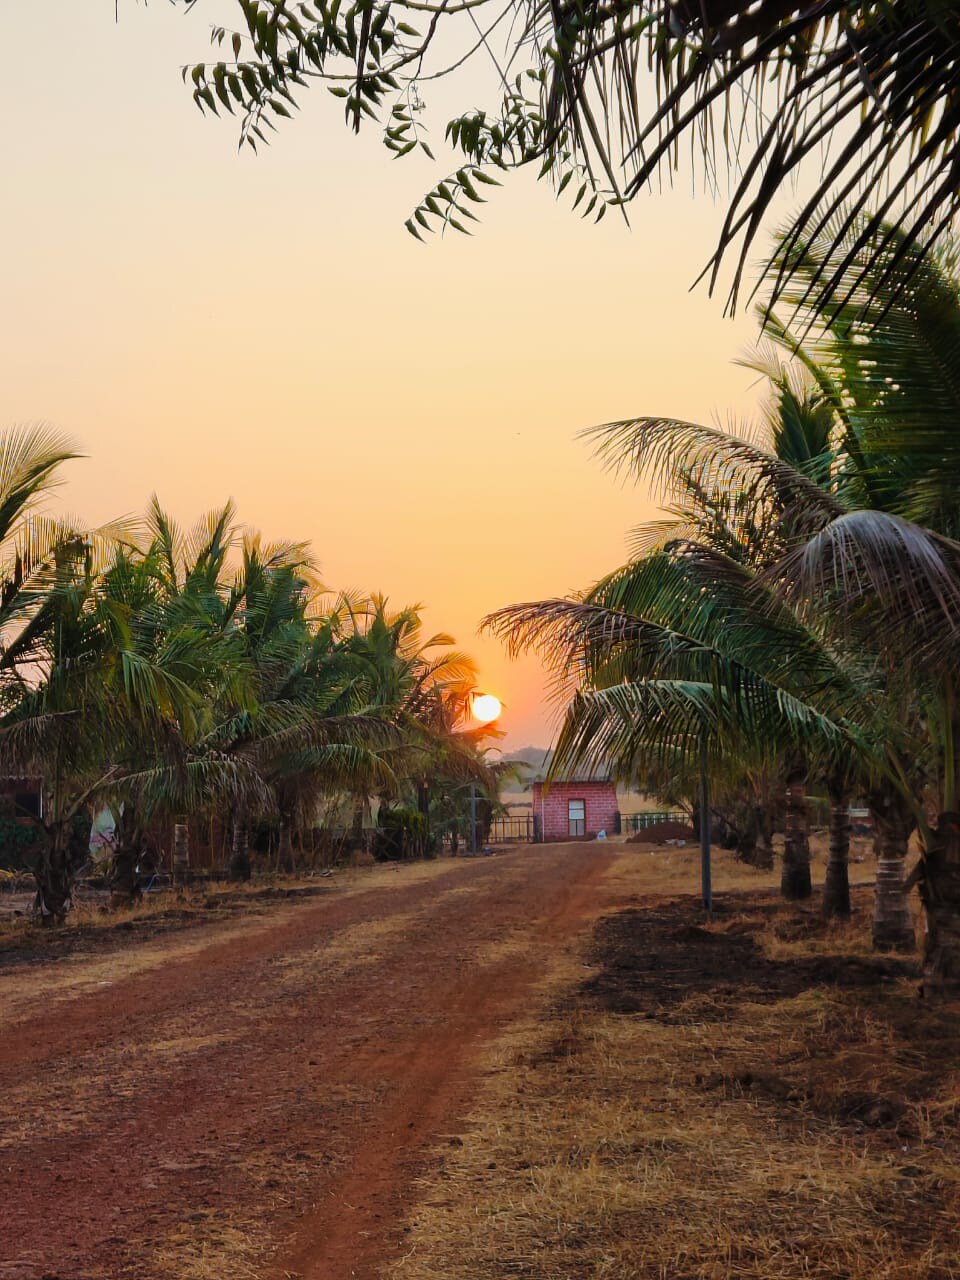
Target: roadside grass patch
x=742, y=1097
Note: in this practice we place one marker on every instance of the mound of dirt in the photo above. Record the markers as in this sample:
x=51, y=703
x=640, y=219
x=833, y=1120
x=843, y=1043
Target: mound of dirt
x=660, y=832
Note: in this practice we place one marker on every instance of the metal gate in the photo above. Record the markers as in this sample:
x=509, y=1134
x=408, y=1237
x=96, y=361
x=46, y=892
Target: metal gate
x=512, y=830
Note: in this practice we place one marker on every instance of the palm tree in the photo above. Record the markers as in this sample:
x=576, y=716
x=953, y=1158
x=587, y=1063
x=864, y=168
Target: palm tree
x=175, y=675
x=844, y=556
x=863, y=92
x=421, y=684
x=887, y=359
x=400, y=668
x=685, y=646
x=281, y=723
x=754, y=475
x=89, y=695
x=30, y=462
x=307, y=730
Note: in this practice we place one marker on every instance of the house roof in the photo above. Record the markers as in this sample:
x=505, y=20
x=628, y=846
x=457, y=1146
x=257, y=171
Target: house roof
x=578, y=779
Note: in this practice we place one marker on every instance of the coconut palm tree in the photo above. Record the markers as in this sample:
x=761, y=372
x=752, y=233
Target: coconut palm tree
x=30, y=463
x=89, y=695
x=421, y=684
x=838, y=546
x=886, y=358
x=857, y=96
x=170, y=674
x=281, y=723
x=308, y=730
x=686, y=648
x=792, y=506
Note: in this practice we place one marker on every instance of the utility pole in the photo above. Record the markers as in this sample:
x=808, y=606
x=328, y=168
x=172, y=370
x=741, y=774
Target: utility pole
x=705, y=886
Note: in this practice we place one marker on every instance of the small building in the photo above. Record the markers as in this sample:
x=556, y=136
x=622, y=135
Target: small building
x=21, y=798
x=575, y=809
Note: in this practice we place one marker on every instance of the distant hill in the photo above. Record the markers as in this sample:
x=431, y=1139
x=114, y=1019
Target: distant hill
x=537, y=761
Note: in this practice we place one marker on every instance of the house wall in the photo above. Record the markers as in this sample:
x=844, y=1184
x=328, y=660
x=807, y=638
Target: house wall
x=600, y=805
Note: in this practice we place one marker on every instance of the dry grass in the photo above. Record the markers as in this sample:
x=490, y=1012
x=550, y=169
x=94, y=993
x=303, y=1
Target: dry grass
x=794, y=1130
x=99, y=947
x=667, y=869
x=93, y=920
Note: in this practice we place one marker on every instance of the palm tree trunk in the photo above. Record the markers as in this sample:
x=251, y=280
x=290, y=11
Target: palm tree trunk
x=123, y=872
x=745, y=849
x=359, y=806
x=795, y=876
x=753, y=839
x=940, y=890
x=123, y=878
x=423, y=797
x=836, y=890
x=54, y=878
x=745, y=830
x=893, y=824
x=765, y=837
x=285, y=858
x=240, y=851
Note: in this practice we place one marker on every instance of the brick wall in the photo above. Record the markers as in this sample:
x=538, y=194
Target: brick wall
x=552, y=808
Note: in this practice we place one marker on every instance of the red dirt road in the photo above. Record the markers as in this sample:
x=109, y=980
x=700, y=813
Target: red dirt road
x=255, y=1100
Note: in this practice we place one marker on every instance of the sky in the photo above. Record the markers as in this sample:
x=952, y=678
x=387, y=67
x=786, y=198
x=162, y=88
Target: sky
x=208, y=324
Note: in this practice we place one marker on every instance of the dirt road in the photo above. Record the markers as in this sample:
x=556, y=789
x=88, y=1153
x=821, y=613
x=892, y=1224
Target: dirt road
x=255, y=1098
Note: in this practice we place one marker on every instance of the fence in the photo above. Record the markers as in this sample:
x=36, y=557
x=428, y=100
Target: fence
x=634, y=822
x=512, y=830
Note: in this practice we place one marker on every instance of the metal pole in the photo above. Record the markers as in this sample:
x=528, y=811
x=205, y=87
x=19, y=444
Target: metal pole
x=473, y=818
x=181, y=853
x=705, y=886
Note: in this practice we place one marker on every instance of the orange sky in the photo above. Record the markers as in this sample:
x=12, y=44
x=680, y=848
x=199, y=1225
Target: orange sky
x=207, y=324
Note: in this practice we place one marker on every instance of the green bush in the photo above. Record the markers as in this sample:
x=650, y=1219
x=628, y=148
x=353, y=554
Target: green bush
x=19, y=844
x=402, y=833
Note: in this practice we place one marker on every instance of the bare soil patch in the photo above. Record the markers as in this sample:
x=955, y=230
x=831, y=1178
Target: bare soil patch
x=548, y=1064
x=254, y=1097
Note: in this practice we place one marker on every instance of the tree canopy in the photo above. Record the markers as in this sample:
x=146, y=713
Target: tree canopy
x=206, y=676
x=605, y=98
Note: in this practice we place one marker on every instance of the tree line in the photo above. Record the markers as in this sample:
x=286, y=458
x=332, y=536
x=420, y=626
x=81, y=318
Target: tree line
x=793, y=619
x=206, y=676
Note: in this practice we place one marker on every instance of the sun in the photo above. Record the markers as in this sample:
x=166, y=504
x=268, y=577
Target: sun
x=485, y=707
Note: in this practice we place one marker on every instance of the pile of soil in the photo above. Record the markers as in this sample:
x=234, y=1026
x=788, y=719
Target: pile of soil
x=660, y=832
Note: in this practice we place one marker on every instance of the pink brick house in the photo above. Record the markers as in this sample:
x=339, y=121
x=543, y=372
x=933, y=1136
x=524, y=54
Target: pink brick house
x=575, y=809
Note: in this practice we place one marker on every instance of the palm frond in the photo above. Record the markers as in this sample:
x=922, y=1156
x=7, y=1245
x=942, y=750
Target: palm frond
x=670, y=451
x=882, y=574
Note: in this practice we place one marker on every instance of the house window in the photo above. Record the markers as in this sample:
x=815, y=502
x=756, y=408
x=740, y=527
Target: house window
x=577, y=817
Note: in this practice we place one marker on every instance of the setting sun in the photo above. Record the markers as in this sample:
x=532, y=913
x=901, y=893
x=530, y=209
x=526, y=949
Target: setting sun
x=486, y=707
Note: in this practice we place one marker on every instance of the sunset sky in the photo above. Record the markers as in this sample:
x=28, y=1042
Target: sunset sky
x=208, y=324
